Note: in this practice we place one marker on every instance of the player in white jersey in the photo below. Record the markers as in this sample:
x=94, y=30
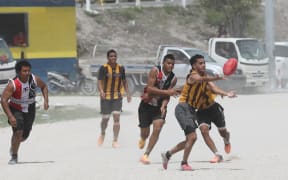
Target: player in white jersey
x=18, y=102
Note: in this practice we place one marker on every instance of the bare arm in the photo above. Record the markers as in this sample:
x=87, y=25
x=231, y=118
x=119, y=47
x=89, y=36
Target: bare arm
x=195, y=77
x=166, y=100
x=127, y=90
x=44, y=90
x=152, y=90
x=6, y=94
x=100, y=88
x=217, y=90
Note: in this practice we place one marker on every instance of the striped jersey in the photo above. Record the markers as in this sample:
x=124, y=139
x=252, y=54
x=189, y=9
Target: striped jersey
x=23, y=93
x=112, y=79
x=197, y=95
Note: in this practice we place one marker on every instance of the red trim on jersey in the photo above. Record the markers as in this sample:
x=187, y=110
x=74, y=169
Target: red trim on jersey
x=17, y=94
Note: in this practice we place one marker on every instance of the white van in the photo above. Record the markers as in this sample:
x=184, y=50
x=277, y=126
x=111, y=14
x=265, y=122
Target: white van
x=7, y=64
x=281, y=63
x=253, y=62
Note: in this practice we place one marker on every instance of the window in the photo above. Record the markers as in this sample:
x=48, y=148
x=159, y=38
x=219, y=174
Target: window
x=226, y=50
x=14, y=28
x=180, y=57
x=281, y=51
x=251, y=49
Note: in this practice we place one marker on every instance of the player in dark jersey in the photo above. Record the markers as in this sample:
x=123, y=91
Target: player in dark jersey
x=111, y=81
x=153, y=106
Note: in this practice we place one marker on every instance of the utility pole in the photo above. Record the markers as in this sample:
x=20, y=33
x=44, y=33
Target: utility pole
x=269, y=38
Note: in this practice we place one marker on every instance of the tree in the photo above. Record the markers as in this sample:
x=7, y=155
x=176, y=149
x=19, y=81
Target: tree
x=232, y=14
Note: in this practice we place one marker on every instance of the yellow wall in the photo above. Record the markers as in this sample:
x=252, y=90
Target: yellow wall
x=51, y=32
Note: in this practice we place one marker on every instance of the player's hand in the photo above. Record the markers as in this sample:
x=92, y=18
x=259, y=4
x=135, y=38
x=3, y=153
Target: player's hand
x=46, y=106
x=231, y=94
x=221, y=77
x=163, y=110
x=173, y=92
x=12, y=121
x=102, y=94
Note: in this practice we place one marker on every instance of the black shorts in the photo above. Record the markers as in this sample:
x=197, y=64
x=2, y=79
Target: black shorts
x=108, y=106
x=186, y=117
x=148, y=113
x=214, y=113
x=24, y=120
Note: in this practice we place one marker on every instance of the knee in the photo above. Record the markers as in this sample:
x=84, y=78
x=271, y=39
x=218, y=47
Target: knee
x=204, y=131
x=192, y=137
x=116, y=123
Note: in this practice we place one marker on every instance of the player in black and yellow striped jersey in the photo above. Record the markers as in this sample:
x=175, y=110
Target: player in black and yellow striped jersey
x=196, y=94
x=111, y=82
x=208, y=110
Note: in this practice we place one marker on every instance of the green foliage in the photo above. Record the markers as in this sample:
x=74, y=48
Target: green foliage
x=255, y=26
x=233, y=13
x=215, y=17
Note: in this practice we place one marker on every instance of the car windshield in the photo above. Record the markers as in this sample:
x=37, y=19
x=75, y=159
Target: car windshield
x=251, y=49
x=281, y=51
x=5, y=54
x=193, y=52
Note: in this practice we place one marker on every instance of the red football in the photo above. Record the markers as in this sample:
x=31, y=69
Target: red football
x=230, y=66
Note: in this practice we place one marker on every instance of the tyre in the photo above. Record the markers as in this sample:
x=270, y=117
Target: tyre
x=88, y=87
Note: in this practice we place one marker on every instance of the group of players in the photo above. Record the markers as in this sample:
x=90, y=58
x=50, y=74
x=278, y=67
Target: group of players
x=196, y=106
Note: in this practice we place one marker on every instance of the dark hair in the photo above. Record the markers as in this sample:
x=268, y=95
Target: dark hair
x=194, y=58
x=169, y=56
x=111, y=51
x=20, y=64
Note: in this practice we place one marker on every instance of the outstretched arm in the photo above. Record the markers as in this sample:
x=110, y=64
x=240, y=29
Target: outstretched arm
x=195, y=77
x=217, y=90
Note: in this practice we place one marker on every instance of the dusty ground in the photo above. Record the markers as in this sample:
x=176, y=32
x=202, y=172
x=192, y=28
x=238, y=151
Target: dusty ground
x=68, y=150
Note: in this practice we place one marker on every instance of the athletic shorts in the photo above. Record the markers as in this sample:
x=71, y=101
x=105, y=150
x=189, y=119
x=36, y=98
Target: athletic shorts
x=148, y=113
x=108, y=106
x=24, y=120
x=214, y=113
x=186, y=117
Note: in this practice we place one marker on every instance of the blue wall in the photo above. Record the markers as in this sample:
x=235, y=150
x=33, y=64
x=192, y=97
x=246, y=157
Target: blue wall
x=40, y=67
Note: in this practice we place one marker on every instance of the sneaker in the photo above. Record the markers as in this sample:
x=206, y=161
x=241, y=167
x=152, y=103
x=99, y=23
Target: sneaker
x=101, y=140
x=141, y=143
x=165, y=160
x=115, y=144
x=216, y=159
x=227, y=148
x=186, y=167
x=145, y=159
x=13, y=160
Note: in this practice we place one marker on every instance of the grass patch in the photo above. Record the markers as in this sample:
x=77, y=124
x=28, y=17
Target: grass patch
x=65, y=113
